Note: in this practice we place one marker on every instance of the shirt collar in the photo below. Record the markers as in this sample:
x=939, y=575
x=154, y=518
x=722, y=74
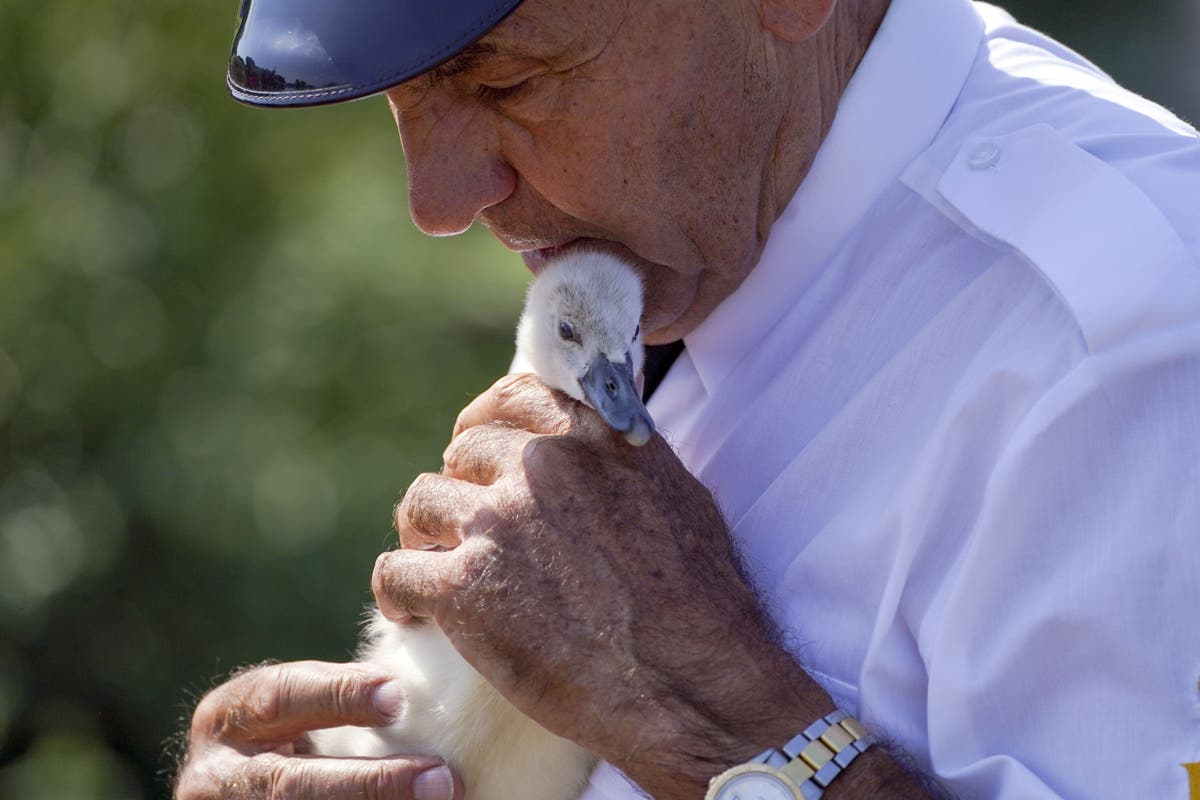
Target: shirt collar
x=892, y=108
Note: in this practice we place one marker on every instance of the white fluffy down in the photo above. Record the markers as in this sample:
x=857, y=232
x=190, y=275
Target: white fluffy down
x=601, y=297
x=450, y=710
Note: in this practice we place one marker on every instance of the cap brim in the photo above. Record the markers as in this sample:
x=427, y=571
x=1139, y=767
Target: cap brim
x=314, y=52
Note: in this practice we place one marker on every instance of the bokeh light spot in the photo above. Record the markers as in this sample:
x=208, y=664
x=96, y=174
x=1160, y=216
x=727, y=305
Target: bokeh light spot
x=92, y=84
x=162, y=145
x=41, y=551
x=112, y=234
x=125, y=324
x=197, y=410
x=295, y=501
x=68, y=765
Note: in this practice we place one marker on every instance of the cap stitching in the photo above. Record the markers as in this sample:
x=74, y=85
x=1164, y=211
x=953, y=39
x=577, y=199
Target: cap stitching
x=506, y=6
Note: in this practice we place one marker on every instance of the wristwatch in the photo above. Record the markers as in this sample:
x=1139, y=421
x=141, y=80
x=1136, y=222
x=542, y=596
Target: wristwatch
x=801, y=769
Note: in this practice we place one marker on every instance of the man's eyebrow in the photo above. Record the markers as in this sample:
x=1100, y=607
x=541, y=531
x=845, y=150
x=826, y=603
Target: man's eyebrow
x=468, y=59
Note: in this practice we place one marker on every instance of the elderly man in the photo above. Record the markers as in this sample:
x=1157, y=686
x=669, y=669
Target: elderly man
x=938, y=279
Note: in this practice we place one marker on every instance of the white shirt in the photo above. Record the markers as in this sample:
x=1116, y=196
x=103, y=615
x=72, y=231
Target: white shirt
x=953, y=416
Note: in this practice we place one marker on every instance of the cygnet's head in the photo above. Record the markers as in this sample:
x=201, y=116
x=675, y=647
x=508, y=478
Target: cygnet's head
x=581, y=333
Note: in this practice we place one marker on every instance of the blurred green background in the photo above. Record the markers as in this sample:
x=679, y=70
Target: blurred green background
x=224, y=350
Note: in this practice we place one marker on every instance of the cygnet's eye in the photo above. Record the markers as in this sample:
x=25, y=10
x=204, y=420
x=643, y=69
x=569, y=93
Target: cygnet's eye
x=637, y=332
x=567, y=331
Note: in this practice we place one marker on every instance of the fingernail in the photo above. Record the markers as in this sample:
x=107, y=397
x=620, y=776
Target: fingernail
x=389, y=699
x=434, y=784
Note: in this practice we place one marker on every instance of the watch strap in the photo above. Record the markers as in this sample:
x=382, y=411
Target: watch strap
x=817, y=755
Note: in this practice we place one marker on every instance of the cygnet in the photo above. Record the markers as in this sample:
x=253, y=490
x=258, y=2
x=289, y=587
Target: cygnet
x=580, y=332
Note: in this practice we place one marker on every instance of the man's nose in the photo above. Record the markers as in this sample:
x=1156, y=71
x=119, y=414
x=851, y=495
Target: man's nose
x=455, y=165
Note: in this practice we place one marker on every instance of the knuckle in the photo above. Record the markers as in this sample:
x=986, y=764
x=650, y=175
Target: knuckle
x=468, y=455
x=232, y=708
x=408, y=508
x=379, y=575
x=415, y=507
x=263, y=701
x=550, y=453
x=208, y=714
x=347, y=695
x=380, y=783
x=286, y=782
x=512, y=383
x=399, y=516
x=249, y=780
x=461, y=421
x=390, y=586
x=452, y=456
x=560, y=415
x=563, y=424
x=448, y=454
x=512, y=389
x=421, y=483
x=475, y=565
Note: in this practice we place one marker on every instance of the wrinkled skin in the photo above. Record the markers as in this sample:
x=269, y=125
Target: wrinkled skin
x=668, y=131
x=247, y=738
x=593, y=583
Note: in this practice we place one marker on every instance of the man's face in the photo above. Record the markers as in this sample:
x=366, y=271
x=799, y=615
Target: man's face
x=645, y=127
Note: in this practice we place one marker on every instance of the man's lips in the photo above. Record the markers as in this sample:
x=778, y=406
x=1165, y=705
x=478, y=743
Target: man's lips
x=653, y=275
x=536, y=260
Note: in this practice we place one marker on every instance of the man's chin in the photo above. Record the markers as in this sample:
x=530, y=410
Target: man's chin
x=673, y=331
x=669, y=319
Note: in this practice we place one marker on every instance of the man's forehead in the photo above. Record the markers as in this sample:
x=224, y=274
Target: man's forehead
x=524, y=34
x=534, y=22
x=533, y=29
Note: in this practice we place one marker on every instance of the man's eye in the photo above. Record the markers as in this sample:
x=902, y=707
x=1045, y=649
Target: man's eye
x=497, y=94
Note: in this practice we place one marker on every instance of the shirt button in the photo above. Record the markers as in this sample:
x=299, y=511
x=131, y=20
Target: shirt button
x=984, y=155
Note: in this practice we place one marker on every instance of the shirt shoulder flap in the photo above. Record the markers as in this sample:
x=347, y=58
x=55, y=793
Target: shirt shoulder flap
x=1106, y=249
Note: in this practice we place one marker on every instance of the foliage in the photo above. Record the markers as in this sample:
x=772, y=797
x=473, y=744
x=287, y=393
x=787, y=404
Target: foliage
x=224, y=351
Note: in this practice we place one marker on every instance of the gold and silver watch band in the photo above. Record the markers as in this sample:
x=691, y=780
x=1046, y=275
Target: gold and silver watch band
x=802, y=768
x=818, y=754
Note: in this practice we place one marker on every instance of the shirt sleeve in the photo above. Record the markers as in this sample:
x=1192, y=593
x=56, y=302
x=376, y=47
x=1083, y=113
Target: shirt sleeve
x=1067, y=656
x=609, y=783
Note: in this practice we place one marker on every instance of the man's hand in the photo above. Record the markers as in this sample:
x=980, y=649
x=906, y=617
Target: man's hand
x=596, y=586
x=248, y=738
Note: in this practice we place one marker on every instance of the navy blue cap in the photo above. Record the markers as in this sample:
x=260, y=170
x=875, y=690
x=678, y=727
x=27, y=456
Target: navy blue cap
x=314, y=52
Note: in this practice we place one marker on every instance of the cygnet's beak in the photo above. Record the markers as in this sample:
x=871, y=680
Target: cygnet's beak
x=611, y=389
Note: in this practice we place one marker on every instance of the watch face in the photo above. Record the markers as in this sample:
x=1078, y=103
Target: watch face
x=755, y=785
